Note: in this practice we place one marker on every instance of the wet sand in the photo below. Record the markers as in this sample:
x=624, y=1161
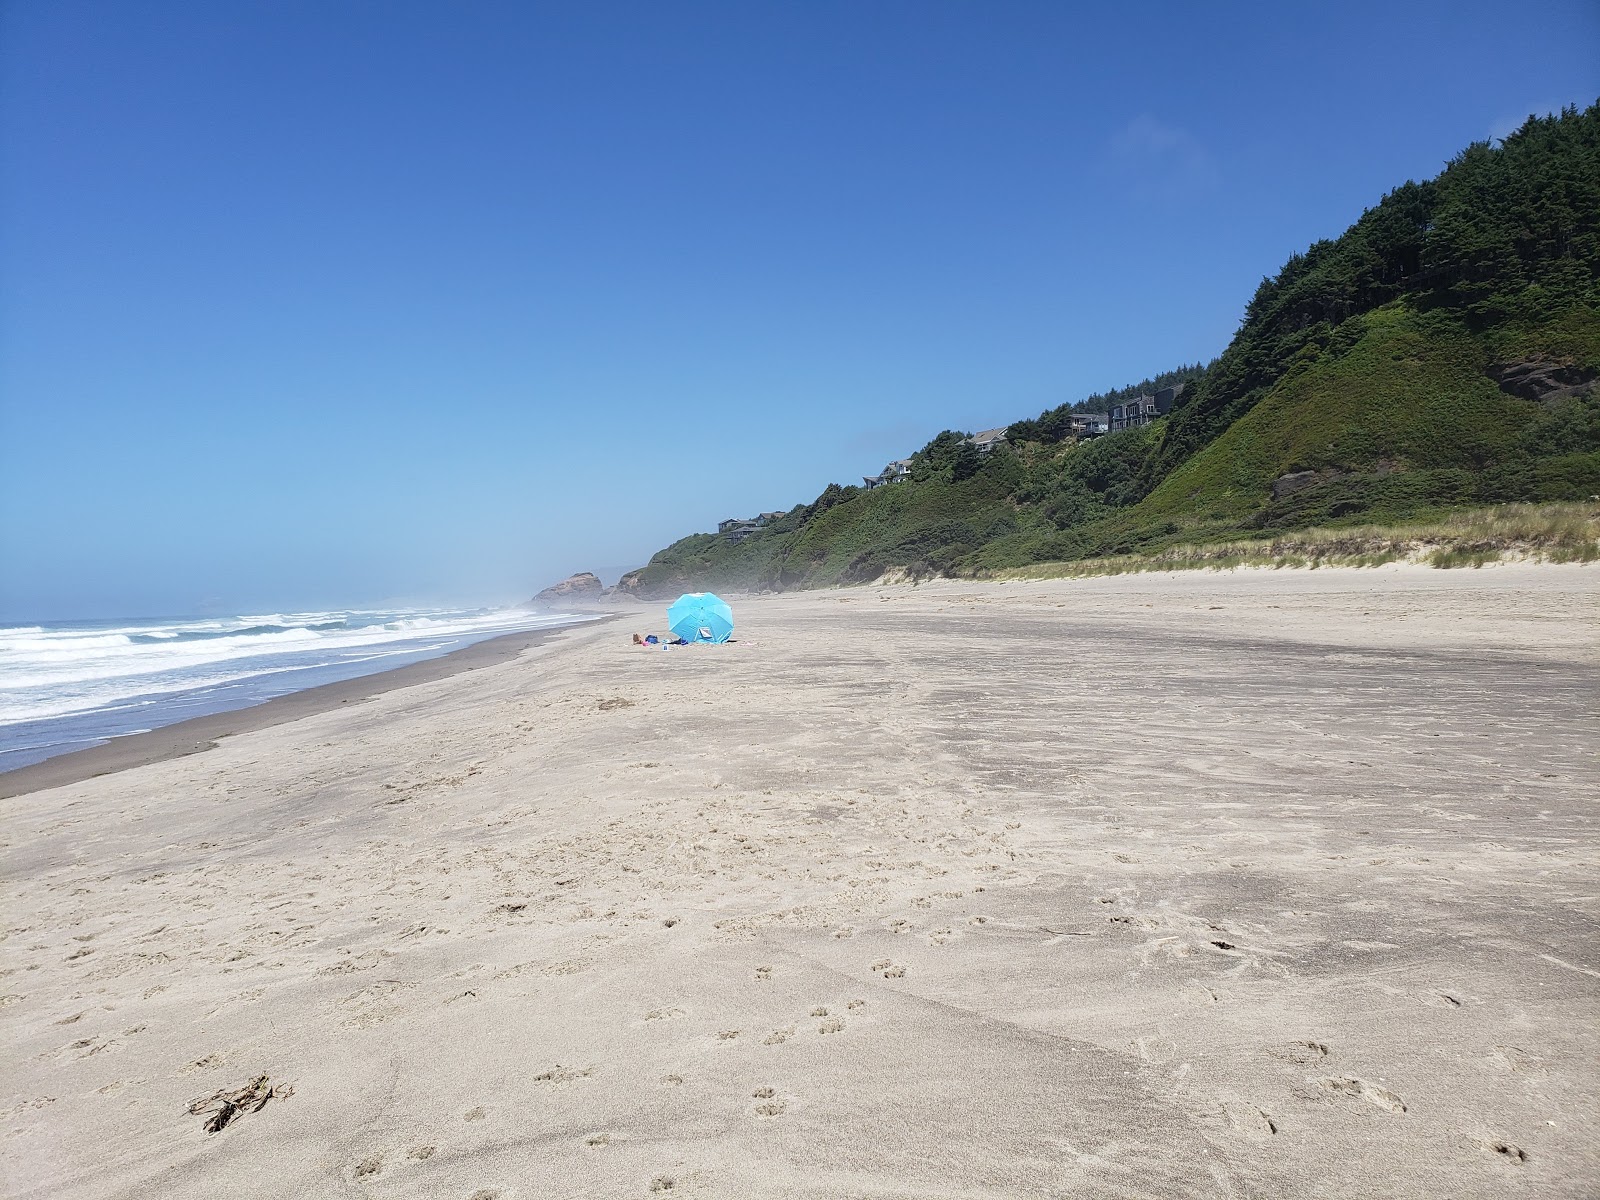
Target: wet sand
x=1248, y=885
x=202, y=733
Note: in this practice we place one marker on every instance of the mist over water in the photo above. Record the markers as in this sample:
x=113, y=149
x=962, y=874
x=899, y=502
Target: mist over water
x=68, y=685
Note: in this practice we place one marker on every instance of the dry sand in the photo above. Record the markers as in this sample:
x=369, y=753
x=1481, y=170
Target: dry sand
x=1260, y=884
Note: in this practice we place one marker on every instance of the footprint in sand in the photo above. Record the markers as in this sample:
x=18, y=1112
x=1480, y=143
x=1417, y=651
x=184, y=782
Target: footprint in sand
x=1382, y=1097
x=369, y=1166
x=889, y=969
x=569, y=967
x=763, y=974
x=831, y=1025
x=1516, y=1059
x=559, y=1074
x=1249, y=1120
x=1507, y=1151
x=1301, y=1052
x=778, y=1036
x=770, y=1105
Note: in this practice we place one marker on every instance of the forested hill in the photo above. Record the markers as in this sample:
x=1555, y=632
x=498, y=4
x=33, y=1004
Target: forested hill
x=1442, y=352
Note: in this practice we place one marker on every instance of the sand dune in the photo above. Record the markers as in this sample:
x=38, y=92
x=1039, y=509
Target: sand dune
x=1249, y=885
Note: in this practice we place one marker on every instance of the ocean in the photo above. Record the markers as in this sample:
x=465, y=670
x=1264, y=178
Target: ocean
x=68, y=685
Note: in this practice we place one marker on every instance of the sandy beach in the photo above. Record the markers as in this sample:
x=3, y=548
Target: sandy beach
x=1229, y=885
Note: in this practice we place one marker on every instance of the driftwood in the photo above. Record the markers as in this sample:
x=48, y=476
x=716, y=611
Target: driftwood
x=222, y=1107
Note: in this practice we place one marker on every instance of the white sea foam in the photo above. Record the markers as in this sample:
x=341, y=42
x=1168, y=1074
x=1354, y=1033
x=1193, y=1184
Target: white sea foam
x=47, y=673
x=69, y=646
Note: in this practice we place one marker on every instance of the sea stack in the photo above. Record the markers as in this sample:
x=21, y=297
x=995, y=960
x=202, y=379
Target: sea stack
x=579, y=588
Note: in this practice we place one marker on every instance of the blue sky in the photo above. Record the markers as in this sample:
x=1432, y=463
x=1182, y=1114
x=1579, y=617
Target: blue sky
x=332, y=303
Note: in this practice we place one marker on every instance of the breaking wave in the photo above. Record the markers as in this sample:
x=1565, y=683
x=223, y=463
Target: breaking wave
x=85, y=673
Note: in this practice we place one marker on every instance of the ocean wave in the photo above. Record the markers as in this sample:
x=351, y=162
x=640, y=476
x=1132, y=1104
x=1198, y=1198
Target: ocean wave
x=206, y=635
x=69, y=672
x=70, y=644
x=109, y=697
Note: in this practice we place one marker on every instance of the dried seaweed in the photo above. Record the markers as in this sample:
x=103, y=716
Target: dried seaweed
x=223, y=1106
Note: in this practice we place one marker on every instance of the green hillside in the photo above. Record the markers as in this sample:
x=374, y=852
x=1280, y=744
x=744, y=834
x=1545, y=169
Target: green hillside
x=1442, y=353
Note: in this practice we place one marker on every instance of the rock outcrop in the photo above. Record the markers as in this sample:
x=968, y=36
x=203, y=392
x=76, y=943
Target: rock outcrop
x=575, y=589
x=1542, y=379
x=631, y=584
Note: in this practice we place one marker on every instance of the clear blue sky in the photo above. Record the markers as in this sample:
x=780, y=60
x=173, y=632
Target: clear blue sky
x=333, y=302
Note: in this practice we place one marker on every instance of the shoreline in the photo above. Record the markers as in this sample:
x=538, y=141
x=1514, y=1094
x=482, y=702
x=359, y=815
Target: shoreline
x=199, y=734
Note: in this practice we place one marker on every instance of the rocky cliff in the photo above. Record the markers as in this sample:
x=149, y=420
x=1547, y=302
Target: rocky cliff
x=581, y=588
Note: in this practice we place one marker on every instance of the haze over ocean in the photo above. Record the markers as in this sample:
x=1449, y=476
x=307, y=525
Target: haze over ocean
x=309, y=306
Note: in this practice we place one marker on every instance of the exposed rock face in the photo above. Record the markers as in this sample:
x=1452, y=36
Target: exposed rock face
x=1541, y=379
x=1294, y=481
x=1285, y=486
x=574, y=589
x=631, y=584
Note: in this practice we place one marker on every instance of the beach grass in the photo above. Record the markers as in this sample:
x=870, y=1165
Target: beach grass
x=1557, y=533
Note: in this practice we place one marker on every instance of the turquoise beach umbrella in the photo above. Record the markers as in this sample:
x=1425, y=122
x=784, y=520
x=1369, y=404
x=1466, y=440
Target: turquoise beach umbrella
x=700, y=617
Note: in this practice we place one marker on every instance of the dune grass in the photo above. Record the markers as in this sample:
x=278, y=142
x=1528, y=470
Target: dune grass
x=1558, y=533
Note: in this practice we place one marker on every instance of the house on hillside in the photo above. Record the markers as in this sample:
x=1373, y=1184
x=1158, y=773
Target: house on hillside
x=1141, y=410
x=988, y=439
x=1131, y=414
x=893, y=473
x=1088, y=425
x=736, y=529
